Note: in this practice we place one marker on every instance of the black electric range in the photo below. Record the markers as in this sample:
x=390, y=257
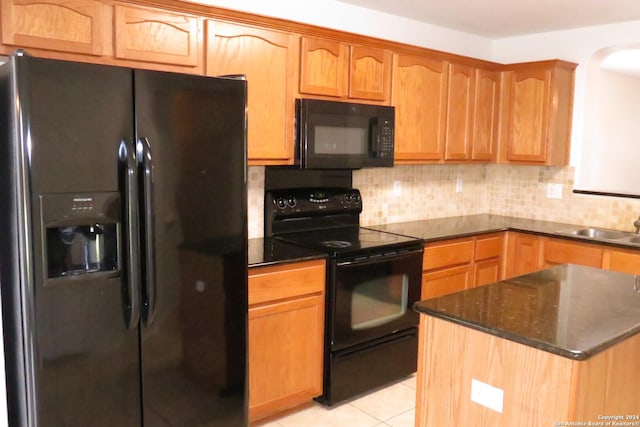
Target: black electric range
x=373, y=280
x=327, y=220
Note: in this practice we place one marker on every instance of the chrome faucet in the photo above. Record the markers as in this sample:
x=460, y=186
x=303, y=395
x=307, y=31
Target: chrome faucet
x=636, y=224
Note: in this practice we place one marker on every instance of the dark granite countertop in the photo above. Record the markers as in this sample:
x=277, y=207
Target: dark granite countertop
x=469, y=225
x=569, y=310
x=269, y=251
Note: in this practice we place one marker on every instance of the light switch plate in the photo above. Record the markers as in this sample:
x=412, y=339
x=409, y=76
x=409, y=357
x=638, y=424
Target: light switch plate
x=487, y=395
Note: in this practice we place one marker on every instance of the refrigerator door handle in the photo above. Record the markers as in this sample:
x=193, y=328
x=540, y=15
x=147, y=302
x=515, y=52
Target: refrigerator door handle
x=145, y=162
x=128, y=176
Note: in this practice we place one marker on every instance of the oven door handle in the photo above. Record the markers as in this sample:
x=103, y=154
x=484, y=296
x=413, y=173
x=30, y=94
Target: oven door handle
x=377, y=258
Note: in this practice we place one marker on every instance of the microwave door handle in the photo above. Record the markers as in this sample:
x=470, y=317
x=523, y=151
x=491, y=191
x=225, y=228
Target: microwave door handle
x=374, y=134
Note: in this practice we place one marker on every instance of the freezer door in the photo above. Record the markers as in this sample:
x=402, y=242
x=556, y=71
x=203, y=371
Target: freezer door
x=191, y=138
x=79, y=364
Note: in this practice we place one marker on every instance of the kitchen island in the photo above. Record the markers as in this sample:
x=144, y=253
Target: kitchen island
x=556, y=347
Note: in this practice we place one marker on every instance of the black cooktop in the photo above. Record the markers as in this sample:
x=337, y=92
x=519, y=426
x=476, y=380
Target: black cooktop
x=350, y=241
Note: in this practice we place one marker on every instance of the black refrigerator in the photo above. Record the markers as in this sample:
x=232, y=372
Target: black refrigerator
x=123, y=261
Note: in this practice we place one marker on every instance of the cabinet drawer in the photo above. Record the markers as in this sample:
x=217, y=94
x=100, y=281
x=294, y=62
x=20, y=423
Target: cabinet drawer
x=623, y=261
x=454, y=252
x=285, y=281
x=561, y=252
x=488, y=247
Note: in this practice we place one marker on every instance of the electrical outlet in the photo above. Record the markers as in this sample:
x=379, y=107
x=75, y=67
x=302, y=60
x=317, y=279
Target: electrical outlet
x=487, y=395
x=458, y=185
x=397, y=189
x=554, y=191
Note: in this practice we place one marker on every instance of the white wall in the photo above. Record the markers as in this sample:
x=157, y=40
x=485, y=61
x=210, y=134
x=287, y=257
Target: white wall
x=345, y=17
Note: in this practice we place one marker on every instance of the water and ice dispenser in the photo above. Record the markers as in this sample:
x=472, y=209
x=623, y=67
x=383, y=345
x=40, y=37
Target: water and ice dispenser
x=81, y=234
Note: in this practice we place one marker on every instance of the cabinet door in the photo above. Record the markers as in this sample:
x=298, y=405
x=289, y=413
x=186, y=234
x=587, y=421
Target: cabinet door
x=69, y=26
x=485, y=115
x=621, y=260
x=459, y=118
x=324, y=67
x=268, y=60
x=419, y=95
x=152, y=35
x=370, y=73
x=529, y=115
x=285, y=354
x=486, y=272
x=523, y=254
x=446, y=281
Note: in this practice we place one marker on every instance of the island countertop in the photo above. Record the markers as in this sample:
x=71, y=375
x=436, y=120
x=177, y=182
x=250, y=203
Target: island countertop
x=569, y=310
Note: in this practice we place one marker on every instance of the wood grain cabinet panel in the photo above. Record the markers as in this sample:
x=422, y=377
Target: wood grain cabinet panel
x=153, y=35
x=625, y=261
x=460, y=109
x=486, y=109
x=344, y=71
x=269, y=61
x=67, y=26
x=539, y=103
x=370, y=73
x=419, y=96
x=286, y=336
x=558, y=251
x=447, y=253
x=285, y=354
x=324, y=67
x=523, y=254
x=446, y=281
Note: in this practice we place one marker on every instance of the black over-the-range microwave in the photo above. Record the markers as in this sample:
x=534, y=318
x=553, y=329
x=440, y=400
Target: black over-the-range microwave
x=343, y=135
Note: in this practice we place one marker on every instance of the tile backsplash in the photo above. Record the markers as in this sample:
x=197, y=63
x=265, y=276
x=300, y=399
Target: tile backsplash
x=409, y=193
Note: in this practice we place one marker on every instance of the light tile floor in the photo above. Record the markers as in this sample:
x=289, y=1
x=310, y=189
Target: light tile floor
x=392, y=406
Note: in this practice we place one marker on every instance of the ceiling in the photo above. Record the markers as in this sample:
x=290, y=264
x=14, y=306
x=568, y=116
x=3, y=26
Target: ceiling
x=506, y=18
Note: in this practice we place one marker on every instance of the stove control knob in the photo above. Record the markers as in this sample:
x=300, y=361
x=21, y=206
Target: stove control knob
x=281, y=202
x=348, y=198
x=356, y=198
x=291, y=201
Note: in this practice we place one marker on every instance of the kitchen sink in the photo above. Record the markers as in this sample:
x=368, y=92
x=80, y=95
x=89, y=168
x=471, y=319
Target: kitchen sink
x=604, y=235
x=597, y=233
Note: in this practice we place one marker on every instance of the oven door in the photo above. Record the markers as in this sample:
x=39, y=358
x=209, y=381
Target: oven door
x=371, y=297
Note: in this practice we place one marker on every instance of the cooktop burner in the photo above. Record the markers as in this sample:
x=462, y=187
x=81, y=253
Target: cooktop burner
x=349, y=240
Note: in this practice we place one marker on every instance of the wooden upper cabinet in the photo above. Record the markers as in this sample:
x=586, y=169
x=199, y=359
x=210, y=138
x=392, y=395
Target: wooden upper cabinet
x=66, y=26
x=539, y=99
x=324, y=67
x=370, y=73
x=459, y=117
x=486, y=108
x=339, y=70
x=268, y=60
x=153, y=35
x=419, y=96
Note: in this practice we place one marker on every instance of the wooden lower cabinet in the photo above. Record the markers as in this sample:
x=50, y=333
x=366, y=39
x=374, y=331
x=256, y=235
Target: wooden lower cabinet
x=286, y=336
x=625, y=261
x=523, y=254
x=446, y=281
x=457, y=264
x=486, y=272
x=558, y=251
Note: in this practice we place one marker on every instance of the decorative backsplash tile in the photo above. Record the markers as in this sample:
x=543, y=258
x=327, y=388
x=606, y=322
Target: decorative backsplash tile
x=408, y=193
